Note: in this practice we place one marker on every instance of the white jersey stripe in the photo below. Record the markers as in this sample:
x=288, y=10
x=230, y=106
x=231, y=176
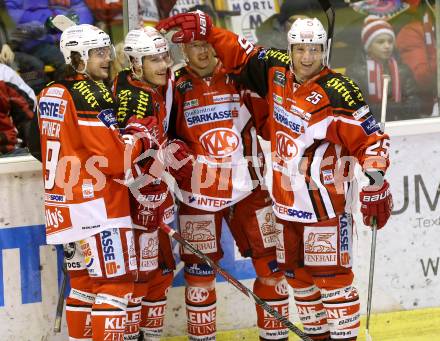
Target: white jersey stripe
x=315, y=172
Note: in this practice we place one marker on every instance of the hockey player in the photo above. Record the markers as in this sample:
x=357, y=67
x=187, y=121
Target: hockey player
x=318, y=120
x=212, y=115
x=86, y=208
x=141, y=92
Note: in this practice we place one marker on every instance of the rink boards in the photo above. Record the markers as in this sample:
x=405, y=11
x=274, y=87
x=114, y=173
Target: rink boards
x=407, y=256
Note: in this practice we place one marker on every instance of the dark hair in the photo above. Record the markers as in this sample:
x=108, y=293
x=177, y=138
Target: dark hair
x=70, y=69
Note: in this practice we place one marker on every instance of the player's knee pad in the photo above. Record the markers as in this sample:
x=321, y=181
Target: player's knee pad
x=271, y=286
x=308, y=303
x=200, y=298
x=341, y=302
x=79, y=306
x=110, y=309
x=154, y=304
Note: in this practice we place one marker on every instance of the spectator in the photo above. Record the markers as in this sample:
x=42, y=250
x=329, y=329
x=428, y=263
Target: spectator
x=416, y=43
x=378, y=39
x=31, y=69
x=17, y=105
x=6, y=53
x=34, y=34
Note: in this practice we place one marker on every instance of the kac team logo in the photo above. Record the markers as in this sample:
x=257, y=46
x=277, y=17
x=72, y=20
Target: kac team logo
x=286, y=147
x=220, y=142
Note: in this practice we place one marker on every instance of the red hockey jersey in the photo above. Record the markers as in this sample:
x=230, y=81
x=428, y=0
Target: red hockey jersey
x=213, y=116
x=82, y=157
x=318, y=129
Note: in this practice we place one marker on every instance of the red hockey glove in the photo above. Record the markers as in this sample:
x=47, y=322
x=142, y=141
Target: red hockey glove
x=178, y=159
x=147, y=208
x=378, y=204
x=146, y=129
x=193, y=26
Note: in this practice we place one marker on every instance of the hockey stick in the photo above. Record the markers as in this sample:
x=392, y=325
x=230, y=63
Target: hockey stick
x=330, y=13
x=386, y=80
x=236, y=283
x=60, y=304
x=62, y=22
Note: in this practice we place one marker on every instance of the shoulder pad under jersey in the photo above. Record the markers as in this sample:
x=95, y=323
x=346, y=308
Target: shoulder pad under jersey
x=183, y=84
x=132, y=100
x=343, y=93
x=180, y=73
x=274, y=57
x=88, y=95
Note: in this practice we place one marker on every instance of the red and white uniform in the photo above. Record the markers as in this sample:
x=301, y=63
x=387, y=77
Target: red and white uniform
x=212, y=115
x=78, y=134
x=155, y=260
x=318, y=131
x=313, y=127
x=85, y=207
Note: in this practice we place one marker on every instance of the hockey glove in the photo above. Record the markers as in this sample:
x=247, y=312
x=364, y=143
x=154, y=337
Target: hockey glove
x=376, y=203
x=148, y=207
x=178, y=160
x=193, y=26
x=145, y=129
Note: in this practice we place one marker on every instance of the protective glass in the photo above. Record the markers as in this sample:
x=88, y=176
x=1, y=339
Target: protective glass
x=103, y=52
x=160, y=57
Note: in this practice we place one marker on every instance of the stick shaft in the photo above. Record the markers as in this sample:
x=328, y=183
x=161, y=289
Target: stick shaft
x=371, y=273
x=236, y=283
x=386, y=80
x=60, y=304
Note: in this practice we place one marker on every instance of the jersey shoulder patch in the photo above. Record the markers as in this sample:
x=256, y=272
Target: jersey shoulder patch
x=183, y=83
x=343, y=92
x=179, y=73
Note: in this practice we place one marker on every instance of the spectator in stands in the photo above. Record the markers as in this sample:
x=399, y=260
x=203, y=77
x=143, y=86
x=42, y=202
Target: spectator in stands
x=17, y=105
x=367, y=71
x=416, y=43
x=34, y=33
x=31, y=69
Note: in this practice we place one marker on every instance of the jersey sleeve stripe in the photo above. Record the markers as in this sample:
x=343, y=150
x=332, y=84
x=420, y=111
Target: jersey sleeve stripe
x=91, y=124
x=347, y=120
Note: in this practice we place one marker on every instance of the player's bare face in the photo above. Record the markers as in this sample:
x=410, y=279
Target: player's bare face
x=306, y=60
x=155, y=68
x=98, y=64
x=200, y=56
x=381, y=48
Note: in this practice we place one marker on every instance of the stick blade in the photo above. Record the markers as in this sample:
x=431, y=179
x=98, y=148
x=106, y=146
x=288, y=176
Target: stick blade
x=62, y=22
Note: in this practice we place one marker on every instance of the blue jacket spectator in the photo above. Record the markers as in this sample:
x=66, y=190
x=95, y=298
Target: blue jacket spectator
x=35, y=13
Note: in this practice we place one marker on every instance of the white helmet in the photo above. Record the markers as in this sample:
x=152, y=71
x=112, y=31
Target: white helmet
x=308, y=31
x=146, y=41
x=81, y=39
